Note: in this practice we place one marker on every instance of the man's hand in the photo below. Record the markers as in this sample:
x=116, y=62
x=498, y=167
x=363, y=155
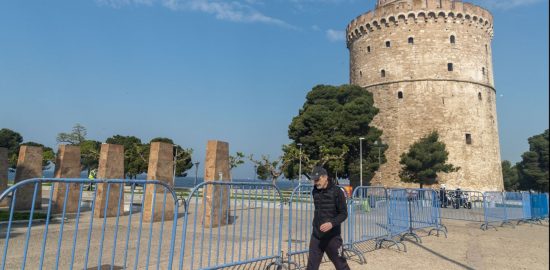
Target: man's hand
x=326, y=227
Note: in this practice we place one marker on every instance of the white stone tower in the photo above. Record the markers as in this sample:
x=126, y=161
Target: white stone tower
x=429, y=67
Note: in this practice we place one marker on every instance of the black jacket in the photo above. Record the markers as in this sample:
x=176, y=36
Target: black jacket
x=330, y=206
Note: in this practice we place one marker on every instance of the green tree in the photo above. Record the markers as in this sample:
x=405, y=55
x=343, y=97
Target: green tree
x=533, y=169
x=268, y=169
x=135, y=154
x=89, y=154
x=424, y=160
x=11, y=140
x=510, y=175
x=329, y=126
x=48, y=155
x=236, y=160
x=183, y=158
x=77, y=136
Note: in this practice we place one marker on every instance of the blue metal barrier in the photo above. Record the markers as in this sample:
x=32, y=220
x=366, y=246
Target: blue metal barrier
x=513, y=202
x=84, y=237
x=230, y=224
x=539, y=206
x=369, y=217
x=494, y=206
x=461, y=205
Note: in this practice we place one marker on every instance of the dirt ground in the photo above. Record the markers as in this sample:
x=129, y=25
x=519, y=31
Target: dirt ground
x=467, y=247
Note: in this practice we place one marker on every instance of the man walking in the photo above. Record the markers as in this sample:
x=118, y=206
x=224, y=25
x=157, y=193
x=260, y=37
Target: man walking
x=330, y=212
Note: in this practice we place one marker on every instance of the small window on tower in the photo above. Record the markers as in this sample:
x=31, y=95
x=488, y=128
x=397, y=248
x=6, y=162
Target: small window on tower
x=468, y=138
x=360, y=73
x=399, y=95
x=450, y=66
x=479, y=96
x=368, y=49
x=483, y=71
x=452, y=39
x=388, y=44
x=382, y=73
x=411, y=40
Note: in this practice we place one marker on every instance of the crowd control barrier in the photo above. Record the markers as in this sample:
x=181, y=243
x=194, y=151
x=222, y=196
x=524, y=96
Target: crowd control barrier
x=369, y=218
x=461, y=205
x=81, y=224
x=230, y=224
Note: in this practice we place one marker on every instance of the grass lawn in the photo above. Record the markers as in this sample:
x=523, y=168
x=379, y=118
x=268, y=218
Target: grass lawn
x=5, y=215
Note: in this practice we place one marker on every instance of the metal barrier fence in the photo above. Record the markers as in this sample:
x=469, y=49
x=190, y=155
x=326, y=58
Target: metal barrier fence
x=229, y=224
x=461, y=205
x=539, y=206
x=98, y=230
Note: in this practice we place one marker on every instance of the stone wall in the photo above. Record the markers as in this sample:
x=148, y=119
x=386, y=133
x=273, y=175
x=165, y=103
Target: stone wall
x=417, y=93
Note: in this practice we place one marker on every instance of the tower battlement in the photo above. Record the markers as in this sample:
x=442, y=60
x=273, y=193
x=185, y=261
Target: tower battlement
x=395, y=12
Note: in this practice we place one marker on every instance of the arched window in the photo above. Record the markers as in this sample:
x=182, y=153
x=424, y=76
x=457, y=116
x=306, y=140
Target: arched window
x=411, y=40
x=382, y=73
x=450, y=66
x=483, y=71
x=368, y=49
x=399, y=95
x=388, y=44
x=452, y=39
x=479, y=96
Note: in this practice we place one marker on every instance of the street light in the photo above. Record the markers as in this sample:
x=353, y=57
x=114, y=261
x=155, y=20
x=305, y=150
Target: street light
x=300, y=166
x=379, y=144
x=196, y=172
x=361, y=161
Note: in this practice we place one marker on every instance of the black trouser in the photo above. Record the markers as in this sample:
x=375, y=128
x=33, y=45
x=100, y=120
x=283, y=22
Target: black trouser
x=332, y=246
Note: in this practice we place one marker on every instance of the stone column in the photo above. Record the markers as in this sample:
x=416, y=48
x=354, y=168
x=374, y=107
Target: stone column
x=67, y=165
x=3, y=173
x=216, y=168
x=161, y=168
x=111, y=166
x=29, y=165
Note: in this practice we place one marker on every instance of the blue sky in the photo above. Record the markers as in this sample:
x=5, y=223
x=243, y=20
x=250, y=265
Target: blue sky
x=238, y=71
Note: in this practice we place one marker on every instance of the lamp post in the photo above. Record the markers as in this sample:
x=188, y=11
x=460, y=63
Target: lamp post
x=378, y=144
x=361, y=161
x=196, y=172
x=175, y=163
x=300, y=164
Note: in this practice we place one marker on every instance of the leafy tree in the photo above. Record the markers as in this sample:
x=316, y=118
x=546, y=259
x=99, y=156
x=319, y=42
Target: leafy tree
x=510, y=175
x=236, y=160
x=77, y=136
x=48, y=155
x=424, y=160
x=183, y=158
x=11, y=140
x=89, y=154
x=533, y=169
x=268, y=169
x=329, y=126
x=135, y=154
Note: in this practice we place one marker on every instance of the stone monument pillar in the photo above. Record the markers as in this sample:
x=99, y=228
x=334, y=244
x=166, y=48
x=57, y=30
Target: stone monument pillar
x=29, y=165
x=216, y=168
x=67, y=165
x=111, y=166
x=161, y=168
x=3, y=173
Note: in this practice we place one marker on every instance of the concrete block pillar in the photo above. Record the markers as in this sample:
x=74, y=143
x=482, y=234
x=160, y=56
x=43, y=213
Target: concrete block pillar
x=29, y=165
x=216, y=168
x=67, y=165
x=111, y=166
x=161, y=168
x=3, y=173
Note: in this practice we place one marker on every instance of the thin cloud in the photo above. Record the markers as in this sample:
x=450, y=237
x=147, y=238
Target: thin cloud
x=335, y=35
x=506, y=4
x=228, y=11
